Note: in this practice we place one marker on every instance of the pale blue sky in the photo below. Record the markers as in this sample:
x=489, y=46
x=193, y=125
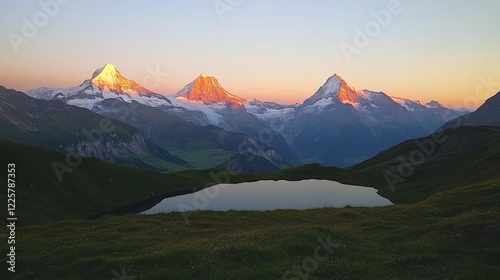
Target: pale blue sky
x=272, y=50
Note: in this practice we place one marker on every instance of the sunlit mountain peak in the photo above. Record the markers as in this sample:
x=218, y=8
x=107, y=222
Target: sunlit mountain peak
x=337, y=77
x=109, y=78
x=336, y=87
x=207, y=89
x=108, y=70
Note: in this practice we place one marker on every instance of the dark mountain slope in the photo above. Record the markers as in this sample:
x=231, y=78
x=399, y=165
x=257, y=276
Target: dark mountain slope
x=73, y=130
x=487, y=114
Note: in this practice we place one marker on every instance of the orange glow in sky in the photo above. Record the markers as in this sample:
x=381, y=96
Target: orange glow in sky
x=280, y=51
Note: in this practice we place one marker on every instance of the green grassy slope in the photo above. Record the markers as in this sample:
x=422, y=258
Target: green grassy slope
x=249, y=164
x=95, y=186
x=452, y=235
x=469, y=155
x=92, y=187
x=203, y=157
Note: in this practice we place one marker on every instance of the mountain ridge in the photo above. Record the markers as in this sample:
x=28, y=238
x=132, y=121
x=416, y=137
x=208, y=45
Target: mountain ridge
x=487, y=114
x=336, y=112
x=335, y=125
x=73, y=130
x=106, y=82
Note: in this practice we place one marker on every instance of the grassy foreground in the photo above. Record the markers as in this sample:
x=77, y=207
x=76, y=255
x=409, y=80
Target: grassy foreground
x=451, y=235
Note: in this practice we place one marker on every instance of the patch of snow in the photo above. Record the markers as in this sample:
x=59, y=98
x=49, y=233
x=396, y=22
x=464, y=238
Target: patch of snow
x=85, y=103
x=322, y=103
x=210, y=110
x=352, y=103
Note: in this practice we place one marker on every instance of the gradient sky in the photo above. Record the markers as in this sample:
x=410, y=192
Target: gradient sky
x=281, y=50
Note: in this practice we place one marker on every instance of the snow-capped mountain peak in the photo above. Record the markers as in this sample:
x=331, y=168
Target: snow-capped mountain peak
x=332, y=86
x=335, y=89
x=206, y=89
x=105, y=83
x=109, y=78
x=106, y=70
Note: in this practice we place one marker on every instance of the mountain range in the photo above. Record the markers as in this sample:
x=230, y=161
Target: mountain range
x=339, y=116
x=77, y=131
x=338, y=125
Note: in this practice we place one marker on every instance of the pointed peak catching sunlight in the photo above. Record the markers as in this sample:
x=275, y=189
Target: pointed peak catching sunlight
x=109, y=78
x=107, y=69
x=337, y=76
x=334, y=82
x=207, y=89
x=204, y=75
x=336, y=87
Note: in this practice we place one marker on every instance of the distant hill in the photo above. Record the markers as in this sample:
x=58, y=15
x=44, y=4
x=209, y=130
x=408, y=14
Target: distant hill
x=249, y=164
x=487, y=114
x=468, y=155
x=92, y=187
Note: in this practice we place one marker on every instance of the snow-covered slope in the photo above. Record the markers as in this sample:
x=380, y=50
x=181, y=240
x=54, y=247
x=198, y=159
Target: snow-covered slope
x=204, y=101
x=408, y=104
x=340, y=125
x=336, y=92
x=412, y=105
x=219, y=107
x=269, y=111
x=105, y=83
